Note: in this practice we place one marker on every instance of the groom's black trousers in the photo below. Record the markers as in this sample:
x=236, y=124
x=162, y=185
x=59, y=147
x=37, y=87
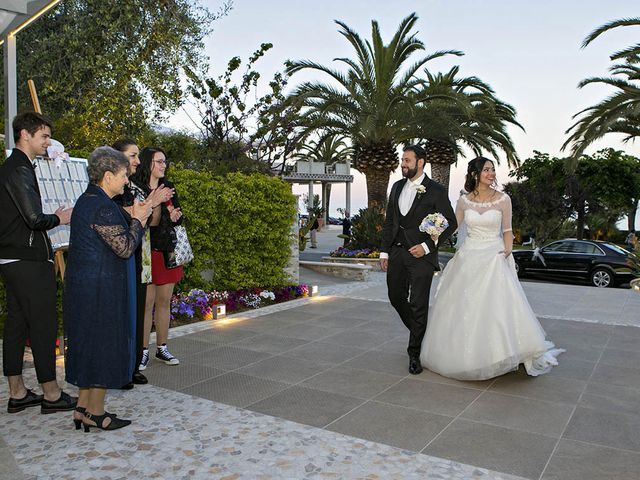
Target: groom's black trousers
x=409, y=283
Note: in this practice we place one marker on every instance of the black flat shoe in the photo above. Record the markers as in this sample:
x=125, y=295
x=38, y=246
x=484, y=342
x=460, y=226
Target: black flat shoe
x=128, y=386
x=139, y=379
x=414, y=366
x=31, y=399
x=64, y=403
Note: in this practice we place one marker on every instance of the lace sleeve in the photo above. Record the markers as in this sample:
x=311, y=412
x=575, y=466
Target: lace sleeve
x=505, y=207
x=460, y=211
x=122, y=240
x=462, y=227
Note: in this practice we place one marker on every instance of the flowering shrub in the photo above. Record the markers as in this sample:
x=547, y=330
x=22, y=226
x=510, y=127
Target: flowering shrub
x=198, y=305
x=362, y=253
x=250, y=300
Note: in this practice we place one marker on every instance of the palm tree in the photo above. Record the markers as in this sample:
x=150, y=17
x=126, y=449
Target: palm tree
x=618, y=113
x=461, y=111
x=329, y=149
x=369, y=103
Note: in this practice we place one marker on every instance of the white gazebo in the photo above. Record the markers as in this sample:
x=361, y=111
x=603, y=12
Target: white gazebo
x=14, y=16
x=310, y=172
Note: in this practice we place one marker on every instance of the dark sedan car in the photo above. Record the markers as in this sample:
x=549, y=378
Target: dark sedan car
x=602, y=264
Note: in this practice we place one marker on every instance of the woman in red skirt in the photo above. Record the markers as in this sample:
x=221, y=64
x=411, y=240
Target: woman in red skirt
x=150, y=175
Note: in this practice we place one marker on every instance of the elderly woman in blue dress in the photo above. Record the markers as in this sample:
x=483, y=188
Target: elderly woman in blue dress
x=99, y=296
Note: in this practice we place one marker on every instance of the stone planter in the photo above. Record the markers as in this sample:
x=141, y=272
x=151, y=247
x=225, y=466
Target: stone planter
x=374, y=263
x=349, y=271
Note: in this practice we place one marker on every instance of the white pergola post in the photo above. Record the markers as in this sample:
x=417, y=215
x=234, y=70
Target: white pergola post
x=325, y=209
x=10, y=89
x=348, y=198
x=310, y=199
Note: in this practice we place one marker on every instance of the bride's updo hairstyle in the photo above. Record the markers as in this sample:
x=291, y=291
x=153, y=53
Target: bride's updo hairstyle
x=474, y=168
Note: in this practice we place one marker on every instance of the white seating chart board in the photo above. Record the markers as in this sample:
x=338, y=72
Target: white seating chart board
x=61, y=187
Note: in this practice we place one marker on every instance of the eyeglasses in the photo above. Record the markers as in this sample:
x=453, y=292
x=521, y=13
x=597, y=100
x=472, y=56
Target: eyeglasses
x=160, y=162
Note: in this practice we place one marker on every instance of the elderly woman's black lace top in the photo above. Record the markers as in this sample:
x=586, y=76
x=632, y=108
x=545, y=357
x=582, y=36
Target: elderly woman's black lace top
x=99, y=293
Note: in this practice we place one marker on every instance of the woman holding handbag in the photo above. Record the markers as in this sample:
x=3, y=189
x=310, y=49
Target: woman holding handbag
x=150, y=175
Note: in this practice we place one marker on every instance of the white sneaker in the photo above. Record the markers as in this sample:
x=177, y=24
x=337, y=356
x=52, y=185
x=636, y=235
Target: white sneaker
x=145, y=359
x=163, y=354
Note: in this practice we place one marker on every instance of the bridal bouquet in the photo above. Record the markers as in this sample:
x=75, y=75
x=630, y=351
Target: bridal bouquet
x=434, y=224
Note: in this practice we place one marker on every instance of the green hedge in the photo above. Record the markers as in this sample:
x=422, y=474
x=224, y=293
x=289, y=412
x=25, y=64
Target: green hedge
x=239, y=227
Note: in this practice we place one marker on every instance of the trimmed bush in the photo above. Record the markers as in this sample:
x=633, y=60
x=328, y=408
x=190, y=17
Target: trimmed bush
x=239, y=227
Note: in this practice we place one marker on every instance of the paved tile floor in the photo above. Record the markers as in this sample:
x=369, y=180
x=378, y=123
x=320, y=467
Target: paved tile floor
x=321, y=390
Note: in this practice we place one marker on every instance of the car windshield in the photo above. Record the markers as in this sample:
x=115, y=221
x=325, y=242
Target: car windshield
x=617, y=249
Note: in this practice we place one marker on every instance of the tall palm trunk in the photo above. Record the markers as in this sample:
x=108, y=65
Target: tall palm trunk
x=580, y=219
x=440, y=173
x=441, y=156
x=377, y=184
x=631, y=216
x=376, y=162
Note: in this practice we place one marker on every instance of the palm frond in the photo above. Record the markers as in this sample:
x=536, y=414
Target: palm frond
x=623, y=22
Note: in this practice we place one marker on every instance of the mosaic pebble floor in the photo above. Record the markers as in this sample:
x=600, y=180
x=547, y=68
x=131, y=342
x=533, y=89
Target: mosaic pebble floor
x=178, y=436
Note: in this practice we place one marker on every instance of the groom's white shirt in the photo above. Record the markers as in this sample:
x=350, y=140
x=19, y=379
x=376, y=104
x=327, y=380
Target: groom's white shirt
x=407, y=196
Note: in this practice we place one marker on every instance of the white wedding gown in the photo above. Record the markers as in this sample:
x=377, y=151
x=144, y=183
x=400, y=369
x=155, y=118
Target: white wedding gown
x=481, y=325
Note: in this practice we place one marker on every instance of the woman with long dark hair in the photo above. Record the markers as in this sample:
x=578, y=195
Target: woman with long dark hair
x=150, y=176
x=133, y=192
x=481, y=325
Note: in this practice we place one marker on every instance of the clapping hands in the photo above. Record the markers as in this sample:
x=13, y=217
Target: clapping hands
x=160, y=195
x=141, y=211
x=174, y=213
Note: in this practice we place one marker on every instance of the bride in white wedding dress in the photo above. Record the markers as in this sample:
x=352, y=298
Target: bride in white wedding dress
x=481, y=325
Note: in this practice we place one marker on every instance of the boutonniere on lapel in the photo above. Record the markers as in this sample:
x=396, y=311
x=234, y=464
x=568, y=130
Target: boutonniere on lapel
x=420, y=189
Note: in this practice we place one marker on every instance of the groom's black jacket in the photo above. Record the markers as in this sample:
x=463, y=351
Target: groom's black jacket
x=404, y=229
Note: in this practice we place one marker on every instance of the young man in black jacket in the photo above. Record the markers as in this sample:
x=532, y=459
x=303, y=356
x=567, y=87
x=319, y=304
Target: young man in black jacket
x=26, y=266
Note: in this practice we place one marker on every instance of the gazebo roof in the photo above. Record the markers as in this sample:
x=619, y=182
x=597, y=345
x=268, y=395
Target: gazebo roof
x=16, y=14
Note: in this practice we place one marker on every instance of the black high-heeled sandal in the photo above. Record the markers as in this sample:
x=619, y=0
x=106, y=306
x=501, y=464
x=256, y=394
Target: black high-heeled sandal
x=82, y=410
x=78, y=421
x=115, y=423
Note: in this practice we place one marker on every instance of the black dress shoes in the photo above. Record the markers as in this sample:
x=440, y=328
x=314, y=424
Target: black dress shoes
x=64, y=403
x=127, y=386
x=139, y=378
x=414, y=366
x=29, y=400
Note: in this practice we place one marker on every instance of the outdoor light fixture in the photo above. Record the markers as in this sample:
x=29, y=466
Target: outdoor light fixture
x=219, y=311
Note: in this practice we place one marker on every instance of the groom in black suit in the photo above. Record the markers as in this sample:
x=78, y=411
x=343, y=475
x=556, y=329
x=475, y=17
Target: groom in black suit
x=408, y=255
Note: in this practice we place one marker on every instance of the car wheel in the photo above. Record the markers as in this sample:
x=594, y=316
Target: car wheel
x=602, y=278
x=519, y=270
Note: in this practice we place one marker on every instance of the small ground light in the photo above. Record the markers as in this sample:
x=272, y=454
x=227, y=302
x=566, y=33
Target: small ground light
x=219, y=311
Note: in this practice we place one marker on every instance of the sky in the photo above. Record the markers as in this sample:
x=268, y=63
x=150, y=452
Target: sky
x=528, y=51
